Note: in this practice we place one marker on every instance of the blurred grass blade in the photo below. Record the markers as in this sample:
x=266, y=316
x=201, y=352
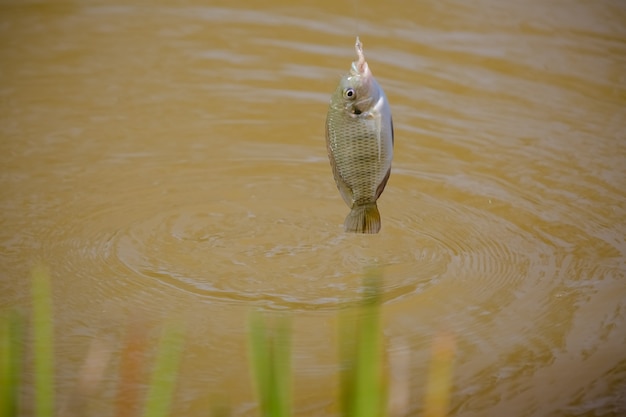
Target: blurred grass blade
x=282, y=367
x=163, y=382
x=439, y=386
x=270, y=354
x=42, y=341
x=260, y=358
x=131, y=367
x=10, y=358
x=369, y=395
x=88, y=379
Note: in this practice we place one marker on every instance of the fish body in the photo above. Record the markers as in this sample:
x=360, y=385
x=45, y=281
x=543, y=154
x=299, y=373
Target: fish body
x=359, y=140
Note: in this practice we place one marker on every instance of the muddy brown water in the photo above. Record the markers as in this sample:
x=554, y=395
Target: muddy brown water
x=168, y=160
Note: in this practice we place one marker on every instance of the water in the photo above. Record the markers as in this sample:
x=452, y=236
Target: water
x=169, y=160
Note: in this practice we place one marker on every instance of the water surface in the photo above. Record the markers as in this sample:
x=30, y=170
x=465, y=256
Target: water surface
x=169, y=161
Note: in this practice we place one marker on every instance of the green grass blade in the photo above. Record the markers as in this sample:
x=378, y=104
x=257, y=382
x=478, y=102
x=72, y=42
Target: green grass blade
x=260, y=357
x=282, y=368
x=10, y=358
x=42, y=341
x=270, y=355
x=164, y=375
x=368, y=392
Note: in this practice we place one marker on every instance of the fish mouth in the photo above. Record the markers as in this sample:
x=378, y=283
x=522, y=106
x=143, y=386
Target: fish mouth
x=363, y=105
x=359, y=107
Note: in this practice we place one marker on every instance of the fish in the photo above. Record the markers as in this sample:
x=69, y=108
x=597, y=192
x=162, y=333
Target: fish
x=359, y=141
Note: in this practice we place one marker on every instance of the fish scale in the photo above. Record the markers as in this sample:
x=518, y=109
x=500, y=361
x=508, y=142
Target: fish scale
x=356, y=151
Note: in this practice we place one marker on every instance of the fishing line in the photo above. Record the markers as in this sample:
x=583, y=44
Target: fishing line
x=355, y=6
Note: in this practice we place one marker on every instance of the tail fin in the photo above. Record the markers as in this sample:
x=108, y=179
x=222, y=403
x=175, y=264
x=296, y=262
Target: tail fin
x=363, y=219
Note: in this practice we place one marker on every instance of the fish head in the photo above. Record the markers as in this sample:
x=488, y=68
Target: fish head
x=359, y=89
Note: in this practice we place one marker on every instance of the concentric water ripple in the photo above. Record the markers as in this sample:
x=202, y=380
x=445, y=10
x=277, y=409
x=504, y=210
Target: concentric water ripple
x=222, y=246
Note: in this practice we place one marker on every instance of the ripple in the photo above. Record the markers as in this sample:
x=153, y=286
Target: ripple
x=489, y=254
x=251, y=250
x=286, y=249
x=250, y=236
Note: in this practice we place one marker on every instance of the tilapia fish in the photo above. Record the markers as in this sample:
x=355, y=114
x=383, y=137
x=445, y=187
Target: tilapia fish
x=359, y=139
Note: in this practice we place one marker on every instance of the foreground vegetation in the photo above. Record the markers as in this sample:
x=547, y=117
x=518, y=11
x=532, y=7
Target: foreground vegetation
x=365, y=389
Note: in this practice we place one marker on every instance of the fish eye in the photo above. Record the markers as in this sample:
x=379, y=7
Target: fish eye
x=349, y=93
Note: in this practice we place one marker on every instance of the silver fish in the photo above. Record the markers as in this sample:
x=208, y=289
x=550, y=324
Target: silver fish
x=359, y=140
